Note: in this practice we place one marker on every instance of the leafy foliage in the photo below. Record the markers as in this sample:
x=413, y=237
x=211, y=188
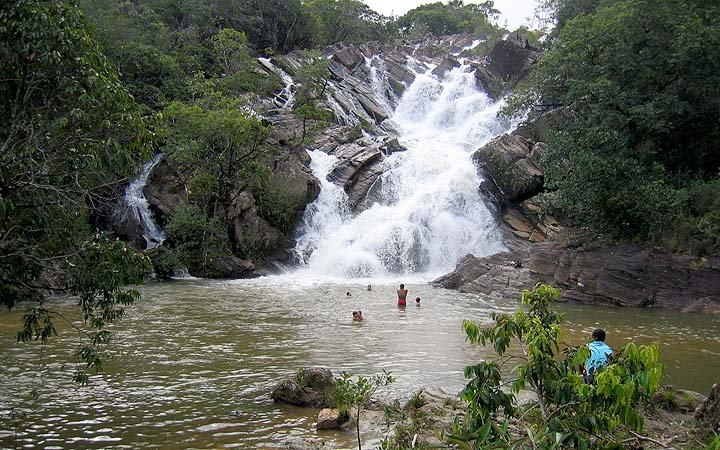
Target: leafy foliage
x=572, y=413
x=353, y=395
x=645, y=117
x=350, y=21
x=441, y=19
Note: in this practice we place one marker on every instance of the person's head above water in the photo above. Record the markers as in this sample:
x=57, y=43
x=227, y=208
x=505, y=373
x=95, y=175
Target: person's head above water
x=598, y=334
x=417, y=299
x=348, y=294
x=402, y=286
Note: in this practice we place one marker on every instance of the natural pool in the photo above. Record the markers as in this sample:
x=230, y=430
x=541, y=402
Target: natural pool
x=195, y=360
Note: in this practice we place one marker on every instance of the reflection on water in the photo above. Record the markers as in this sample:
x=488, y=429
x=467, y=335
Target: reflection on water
x=195, y=361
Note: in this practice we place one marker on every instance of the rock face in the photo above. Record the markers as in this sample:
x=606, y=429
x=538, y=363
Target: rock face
x=165, y=189
x=506, y=64
x=508, y=167
x=708, y=413
x=621, y=275
x=363, y=88
x=309, y=387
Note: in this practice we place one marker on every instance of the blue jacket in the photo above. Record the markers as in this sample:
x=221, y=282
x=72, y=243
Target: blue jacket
x=599, y=352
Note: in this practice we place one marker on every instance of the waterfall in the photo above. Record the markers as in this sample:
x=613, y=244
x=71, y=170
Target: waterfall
x=431, y=214
x=329, y=210
x=137, y=204
x=286, y=97
x=379, y=82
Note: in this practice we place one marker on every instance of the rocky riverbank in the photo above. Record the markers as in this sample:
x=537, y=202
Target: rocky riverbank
x=674, y=418
x=542, y=248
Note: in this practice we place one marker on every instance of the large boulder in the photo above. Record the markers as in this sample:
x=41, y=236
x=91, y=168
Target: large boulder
x=358, y=167
x=673, y=399
x=233, y=267
x=538, y=128
x=508, y=168
x=309, y=387
x=510, y=59
x=501, y=275
x=250, y=231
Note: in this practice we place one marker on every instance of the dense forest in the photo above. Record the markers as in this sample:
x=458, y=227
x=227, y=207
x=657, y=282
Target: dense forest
x=89, y=90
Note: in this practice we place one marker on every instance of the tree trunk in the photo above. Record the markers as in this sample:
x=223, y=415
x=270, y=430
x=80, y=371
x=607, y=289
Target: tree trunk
x=357, y=427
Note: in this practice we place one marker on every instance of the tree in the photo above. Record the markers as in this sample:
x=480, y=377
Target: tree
x=454, y=17
x=271, y=25
x=354, y=395
x=572, y=413
x=645, y=117
x=71, y=136
x=223, y=143
x=350, y=21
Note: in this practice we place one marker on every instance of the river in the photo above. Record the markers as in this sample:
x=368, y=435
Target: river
x=194, y=361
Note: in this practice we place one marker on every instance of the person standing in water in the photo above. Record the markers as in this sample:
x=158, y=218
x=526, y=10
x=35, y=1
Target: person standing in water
x=402, y=295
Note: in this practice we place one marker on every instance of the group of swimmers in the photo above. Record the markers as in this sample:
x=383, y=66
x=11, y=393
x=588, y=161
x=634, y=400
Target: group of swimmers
x=402, y=301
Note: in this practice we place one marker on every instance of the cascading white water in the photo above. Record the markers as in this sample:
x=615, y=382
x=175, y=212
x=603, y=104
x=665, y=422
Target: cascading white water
x=286, y=97
x=380, y=84
x=329, y=210
x=431, y=214
x=137, y=204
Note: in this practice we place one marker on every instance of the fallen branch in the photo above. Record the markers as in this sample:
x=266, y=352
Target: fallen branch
x=645, y=438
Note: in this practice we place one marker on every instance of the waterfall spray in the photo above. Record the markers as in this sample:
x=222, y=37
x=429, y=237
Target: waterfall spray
x=431, y=214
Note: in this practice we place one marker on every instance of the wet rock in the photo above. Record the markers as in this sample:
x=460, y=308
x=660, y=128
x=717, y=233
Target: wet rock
x=165, y=188
x=233, y=267
x=328, y=419
x=445, y=66
x=509, y=60
x=605, y=273
x=349, y=57
x=306, y=443
x=708, y=413
x=502, y=274
x=508, y=167
x=357, y=169
x=507, y=63
x=538, y=129
x=309, y=387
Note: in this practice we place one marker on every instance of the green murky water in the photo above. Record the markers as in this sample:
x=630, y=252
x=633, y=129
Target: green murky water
x=194, y=361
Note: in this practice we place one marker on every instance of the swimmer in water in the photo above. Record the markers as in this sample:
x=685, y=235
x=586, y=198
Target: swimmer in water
x=402, y=295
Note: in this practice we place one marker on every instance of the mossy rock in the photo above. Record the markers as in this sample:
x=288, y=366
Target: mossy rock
x=673, y=399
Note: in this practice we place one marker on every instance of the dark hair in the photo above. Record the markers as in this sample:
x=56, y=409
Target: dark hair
x=402, y=286
x=417, y=299
x=598, y=334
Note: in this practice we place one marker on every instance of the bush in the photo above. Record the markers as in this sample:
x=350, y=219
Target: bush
x=572, y=413
x=194, y=238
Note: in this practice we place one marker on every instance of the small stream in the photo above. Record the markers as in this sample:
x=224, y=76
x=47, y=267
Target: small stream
x=194, y=361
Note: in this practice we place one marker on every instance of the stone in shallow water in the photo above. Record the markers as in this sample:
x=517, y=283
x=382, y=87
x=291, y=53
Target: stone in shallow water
x=328, y=419
x=309, y=387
